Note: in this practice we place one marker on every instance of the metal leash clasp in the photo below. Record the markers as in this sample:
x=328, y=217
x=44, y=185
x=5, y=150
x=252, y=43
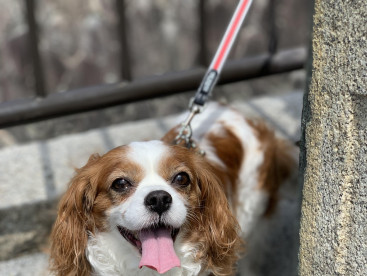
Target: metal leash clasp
x=210, y=79
x=185, y=132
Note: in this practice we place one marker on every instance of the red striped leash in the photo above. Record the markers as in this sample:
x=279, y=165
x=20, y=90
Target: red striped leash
x=212, y=75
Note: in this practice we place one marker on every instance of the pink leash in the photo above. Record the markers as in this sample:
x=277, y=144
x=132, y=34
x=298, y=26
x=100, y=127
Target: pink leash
x=211, y=77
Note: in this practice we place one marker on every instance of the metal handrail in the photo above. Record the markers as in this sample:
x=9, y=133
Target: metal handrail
x=96, y=97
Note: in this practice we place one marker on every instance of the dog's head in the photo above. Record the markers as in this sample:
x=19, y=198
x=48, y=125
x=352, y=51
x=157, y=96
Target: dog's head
x=147, y=191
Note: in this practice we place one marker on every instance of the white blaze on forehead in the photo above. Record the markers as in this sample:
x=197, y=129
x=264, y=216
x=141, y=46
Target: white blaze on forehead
x=148, y=154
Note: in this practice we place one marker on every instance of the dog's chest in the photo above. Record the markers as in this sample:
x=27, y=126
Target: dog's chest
x=110, y=255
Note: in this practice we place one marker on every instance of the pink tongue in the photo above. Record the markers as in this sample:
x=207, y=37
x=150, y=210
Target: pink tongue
x=157, y=250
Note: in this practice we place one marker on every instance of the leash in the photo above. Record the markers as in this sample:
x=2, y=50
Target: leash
x=210, y=79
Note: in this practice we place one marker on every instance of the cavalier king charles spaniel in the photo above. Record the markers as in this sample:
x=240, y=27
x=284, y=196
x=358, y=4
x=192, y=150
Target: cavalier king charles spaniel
x=150, y=208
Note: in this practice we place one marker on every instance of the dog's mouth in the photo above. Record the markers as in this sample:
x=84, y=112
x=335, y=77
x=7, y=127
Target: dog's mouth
x=155, y=245
x=134, y=237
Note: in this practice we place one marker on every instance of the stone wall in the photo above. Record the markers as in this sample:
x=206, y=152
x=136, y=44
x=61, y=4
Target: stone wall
x=334, y=212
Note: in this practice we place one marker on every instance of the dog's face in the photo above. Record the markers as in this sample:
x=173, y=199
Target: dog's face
x=150, y=187
x=149, y=192
x=144, y=185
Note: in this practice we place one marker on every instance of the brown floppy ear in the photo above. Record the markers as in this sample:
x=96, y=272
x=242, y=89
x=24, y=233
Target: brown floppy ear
x=70, y=232
x=218, y=226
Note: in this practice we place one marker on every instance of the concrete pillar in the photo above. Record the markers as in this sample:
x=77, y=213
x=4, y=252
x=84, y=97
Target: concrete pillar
x=333, y=235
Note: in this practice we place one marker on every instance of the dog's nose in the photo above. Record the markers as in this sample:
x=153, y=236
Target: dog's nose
x=158, y=201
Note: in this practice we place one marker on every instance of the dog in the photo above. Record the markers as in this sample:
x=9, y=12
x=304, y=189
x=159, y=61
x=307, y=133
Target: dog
x=153, y=207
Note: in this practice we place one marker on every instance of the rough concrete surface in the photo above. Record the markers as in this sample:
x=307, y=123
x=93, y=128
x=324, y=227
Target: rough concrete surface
x=33, y=265
x=26, y=221
x=334, y=212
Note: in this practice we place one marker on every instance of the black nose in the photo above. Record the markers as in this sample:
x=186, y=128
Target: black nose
x=158, y=201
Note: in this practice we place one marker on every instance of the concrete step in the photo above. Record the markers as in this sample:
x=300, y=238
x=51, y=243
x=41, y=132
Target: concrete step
x=33, y=176
x=30, y=265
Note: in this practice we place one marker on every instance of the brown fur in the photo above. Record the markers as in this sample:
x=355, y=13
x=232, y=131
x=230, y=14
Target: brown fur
x=82, y=210
x=170, y=136
x=69, y=236
x=211, y=225
x=278, y=162
x=218, y=228
x=230, y=150
x=219, y=244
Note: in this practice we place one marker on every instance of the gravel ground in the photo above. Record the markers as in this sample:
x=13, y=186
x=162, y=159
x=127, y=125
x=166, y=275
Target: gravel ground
x=31, y=265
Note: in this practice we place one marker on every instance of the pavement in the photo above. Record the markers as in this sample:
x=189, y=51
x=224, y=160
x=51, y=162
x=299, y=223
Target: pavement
x=34, y=175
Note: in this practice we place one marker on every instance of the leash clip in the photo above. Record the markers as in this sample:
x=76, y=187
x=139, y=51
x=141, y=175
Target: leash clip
x=185, y=133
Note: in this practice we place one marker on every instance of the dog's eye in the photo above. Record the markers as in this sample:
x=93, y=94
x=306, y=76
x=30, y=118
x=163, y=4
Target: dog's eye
x=121, y=185
x=181, y=179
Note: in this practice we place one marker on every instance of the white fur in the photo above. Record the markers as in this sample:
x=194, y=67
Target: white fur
x=133, y=214
x=252, y=200
x=110, y=254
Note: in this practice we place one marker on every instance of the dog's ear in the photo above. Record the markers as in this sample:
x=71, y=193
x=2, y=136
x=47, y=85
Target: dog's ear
x=219, y=227
x=74, y=221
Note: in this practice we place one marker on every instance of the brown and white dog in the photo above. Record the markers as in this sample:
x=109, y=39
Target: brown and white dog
x=153, y=207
